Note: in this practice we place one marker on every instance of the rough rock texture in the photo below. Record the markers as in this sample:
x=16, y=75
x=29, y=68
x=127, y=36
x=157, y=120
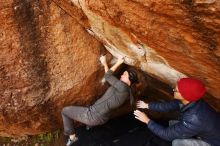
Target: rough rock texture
x=49, y=60
x=168, y=39
x=165, y=38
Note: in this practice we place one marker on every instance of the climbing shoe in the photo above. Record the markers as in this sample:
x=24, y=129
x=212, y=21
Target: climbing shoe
x=71, y=141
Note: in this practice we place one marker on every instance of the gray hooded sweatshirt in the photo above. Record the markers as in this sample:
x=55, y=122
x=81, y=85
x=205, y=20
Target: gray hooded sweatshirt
x=113, y=98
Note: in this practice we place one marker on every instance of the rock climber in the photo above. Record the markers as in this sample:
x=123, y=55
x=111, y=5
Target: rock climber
x=99, y=113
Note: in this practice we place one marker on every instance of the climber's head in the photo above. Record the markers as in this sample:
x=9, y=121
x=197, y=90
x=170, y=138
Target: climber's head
x=129, y=77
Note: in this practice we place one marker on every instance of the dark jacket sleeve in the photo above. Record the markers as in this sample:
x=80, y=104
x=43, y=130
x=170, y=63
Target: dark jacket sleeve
x=113, y=81
x=178, y=131
x=164, y=106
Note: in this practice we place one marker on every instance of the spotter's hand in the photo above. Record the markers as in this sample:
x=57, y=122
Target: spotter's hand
x=141, y=116
x=142, y=104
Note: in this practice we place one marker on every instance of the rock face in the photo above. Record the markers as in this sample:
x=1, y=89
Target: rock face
x=168, y=39
x=49, y=52
x=47, y=61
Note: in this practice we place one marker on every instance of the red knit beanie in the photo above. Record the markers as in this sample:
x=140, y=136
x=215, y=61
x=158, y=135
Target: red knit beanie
x=191, y=89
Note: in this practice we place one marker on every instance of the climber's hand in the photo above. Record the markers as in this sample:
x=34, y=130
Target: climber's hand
x=103, y=60
x=120, y=60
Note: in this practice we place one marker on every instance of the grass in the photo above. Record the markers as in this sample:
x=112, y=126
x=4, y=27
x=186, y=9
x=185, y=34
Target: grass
x=42, y=139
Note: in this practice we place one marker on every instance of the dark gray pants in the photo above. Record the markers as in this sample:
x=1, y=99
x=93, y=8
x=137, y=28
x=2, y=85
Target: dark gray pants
x=80, y=114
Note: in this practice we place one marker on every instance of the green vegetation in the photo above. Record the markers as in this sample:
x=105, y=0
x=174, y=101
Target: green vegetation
x=42, y=140
x=5, y=140
x=46, y=138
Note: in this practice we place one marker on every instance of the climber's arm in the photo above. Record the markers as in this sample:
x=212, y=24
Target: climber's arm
x=114, y=67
